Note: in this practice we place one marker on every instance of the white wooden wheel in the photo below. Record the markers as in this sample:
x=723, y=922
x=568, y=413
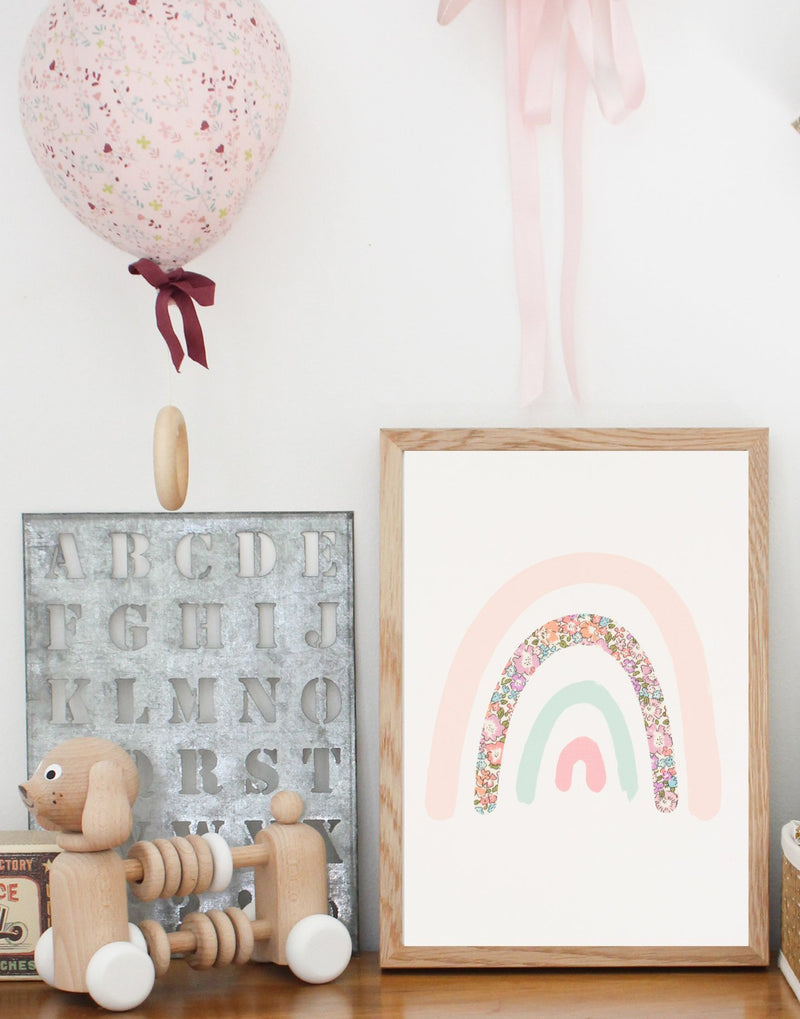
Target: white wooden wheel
x=44, y=958
x=120, y=976
x=318, y=948
x=171, y=458
x=136, y=937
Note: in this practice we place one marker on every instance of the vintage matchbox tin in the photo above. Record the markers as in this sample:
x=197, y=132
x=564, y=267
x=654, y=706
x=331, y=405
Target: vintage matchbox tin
x=25, y=858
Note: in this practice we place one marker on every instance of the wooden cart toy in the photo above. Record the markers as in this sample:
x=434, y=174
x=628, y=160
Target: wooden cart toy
x=84, y=790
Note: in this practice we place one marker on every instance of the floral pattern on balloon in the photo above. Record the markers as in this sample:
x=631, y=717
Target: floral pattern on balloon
x=151, y=119
x=579, y=630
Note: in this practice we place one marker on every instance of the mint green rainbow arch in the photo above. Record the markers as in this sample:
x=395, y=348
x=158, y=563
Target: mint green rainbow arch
x=578, y=693
x=580, y=630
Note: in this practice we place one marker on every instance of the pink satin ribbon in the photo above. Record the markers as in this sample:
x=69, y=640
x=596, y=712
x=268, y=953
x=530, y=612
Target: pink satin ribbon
x=183, y=289
x=601, y=51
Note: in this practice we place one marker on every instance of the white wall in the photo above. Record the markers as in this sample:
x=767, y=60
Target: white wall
x=369, y=283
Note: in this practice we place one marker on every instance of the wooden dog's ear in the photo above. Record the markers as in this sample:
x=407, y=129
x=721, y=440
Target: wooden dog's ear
x=107, y=817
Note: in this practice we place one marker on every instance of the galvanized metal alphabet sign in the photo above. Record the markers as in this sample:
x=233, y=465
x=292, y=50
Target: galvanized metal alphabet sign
x=219, y=650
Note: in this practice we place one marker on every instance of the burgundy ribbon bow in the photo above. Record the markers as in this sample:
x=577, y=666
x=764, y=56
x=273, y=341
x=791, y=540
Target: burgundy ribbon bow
x=183, y=289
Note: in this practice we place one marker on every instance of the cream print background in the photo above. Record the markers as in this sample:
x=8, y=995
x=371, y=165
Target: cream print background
x=574, y=868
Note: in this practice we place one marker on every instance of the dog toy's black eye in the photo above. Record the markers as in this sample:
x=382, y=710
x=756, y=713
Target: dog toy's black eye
x=53, y=772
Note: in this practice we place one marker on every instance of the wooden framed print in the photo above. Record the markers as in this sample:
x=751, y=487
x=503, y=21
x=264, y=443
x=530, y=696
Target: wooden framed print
x=574, y=697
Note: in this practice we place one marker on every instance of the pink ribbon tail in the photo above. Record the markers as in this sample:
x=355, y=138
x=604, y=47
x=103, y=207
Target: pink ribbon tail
x=449, y=9
x=574, y=105
x=523, y=22
x=601, y=49
x=182, y=289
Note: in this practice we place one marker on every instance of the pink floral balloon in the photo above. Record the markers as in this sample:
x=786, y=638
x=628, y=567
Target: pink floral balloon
x=152, y=120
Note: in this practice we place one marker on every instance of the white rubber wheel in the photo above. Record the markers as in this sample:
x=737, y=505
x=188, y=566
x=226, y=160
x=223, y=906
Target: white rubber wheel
x=120, y=976
x=223, y=861
x=44, y=958
x=136, y=938
x=318, y=948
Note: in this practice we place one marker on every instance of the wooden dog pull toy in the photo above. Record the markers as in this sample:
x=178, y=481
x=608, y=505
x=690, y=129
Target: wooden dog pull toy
x=84, y=790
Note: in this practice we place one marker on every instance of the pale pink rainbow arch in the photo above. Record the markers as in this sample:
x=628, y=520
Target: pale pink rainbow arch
x=702, y=766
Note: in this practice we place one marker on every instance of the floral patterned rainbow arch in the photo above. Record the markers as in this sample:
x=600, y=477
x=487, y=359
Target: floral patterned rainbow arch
x=701, y=773
x=579, y=630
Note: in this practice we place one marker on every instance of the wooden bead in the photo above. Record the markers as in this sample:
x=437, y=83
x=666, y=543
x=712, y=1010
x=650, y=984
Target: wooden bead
x=205, y=863
x=287, y=807
x=205, y=953
x=149, y=888
x=172, y=867
x=171, y=458
x=158, y=947
x=244, y=935
x=189, y=865
x=226, y=937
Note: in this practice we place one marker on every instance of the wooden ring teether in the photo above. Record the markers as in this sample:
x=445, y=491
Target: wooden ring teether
x=189, y=865
x=157, y=945
x=226, y=937
x=205, y=954
x=172, y=867
x=244, y=935
x=171, y=458
x=205, y=863
x=149, y=888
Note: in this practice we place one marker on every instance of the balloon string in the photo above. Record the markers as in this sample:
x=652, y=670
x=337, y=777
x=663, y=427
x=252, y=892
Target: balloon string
x=182, y=289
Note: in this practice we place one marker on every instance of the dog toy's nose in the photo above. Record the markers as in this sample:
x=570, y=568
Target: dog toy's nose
x=23, y=792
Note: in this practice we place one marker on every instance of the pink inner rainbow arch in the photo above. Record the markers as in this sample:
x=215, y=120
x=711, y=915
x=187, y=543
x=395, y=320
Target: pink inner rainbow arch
x=583, y=748
x=578, y=630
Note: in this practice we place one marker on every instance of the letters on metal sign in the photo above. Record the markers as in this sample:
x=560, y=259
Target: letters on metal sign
x=219, y=650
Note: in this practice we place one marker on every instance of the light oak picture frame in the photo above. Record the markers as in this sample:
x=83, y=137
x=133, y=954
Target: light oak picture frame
x=696, y=515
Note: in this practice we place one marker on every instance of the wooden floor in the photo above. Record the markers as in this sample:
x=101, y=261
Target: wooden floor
x=269, y=992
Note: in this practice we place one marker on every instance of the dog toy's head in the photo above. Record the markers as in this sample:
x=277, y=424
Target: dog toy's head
x=84, y=789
